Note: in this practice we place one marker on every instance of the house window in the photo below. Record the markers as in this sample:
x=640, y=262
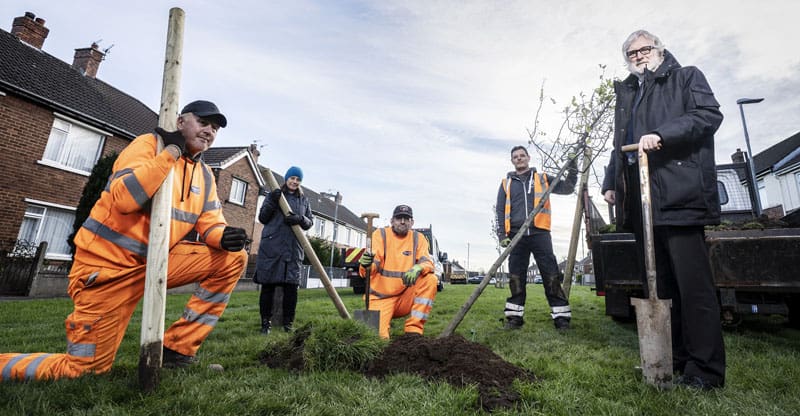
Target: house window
x=51, y=224
x=238, y=191
x=319, y=228
x=762, y=194
x=723, y=193
x=349, y=236
x=72, y=146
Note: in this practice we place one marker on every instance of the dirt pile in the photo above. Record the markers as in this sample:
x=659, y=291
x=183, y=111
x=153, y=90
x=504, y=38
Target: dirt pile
x=457, y=361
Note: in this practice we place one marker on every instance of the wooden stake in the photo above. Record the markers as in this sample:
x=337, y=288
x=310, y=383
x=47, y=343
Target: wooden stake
x=155, y=290
x=576, y=224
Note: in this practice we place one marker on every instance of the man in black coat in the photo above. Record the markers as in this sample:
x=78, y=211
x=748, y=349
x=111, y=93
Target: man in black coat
x=671, y=112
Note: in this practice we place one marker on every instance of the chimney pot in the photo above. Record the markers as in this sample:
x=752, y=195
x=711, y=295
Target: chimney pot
x=30, y=29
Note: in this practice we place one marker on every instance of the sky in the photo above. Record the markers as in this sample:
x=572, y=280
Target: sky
x=420, y=102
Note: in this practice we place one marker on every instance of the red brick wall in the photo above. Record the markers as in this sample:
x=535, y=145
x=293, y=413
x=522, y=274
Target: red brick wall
x=24, y=131
x=238, y=215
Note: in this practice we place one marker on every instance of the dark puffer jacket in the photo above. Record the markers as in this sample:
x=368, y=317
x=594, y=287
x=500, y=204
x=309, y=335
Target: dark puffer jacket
x=280, y=254
x=679, y=106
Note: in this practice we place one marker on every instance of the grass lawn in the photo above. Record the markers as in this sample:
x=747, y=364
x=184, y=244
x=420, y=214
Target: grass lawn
x=586, y=371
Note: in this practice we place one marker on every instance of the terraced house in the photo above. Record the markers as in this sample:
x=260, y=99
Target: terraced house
x=56, y=121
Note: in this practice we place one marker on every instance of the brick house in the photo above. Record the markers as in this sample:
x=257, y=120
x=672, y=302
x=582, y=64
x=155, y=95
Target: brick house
x=57, y=120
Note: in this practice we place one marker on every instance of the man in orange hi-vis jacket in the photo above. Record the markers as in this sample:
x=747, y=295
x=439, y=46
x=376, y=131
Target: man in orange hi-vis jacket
x=402, y=280
x=108, y=272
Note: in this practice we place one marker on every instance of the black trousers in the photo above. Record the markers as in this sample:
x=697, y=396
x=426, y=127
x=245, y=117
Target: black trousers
x=683, y=274
x=267, y=297
x=541, y=246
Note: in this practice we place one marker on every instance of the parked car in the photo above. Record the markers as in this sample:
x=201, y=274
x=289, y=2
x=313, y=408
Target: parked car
x=475, y=279
x=537, y=279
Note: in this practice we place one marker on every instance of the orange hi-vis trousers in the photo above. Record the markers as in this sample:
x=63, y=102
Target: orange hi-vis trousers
x=416, y=302
x=105, y=300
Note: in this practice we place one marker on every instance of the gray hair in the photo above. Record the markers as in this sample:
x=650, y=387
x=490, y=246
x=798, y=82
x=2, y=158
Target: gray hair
x=645, y=34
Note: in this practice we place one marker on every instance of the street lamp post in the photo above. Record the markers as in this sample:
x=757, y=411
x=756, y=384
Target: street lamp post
x=756, y=197
x=337, y=198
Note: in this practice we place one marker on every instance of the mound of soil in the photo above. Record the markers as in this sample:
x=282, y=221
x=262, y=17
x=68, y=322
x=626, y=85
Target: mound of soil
x=455, y=360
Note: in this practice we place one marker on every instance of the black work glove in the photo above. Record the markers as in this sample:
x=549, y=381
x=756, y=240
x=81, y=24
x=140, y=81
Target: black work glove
x=293, y=219
x=172, y=137
x=275, y=195
x=233, y=238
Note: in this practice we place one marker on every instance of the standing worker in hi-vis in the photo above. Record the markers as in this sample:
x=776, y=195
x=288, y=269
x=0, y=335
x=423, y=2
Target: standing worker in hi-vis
x=519, y=194
x=108, y=270
x=402, y=279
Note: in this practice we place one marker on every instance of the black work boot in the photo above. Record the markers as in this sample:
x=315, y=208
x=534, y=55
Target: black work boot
x=287, y=327
x=513, y=322
x=266, y=326
x=174, y=359
x=561, y=323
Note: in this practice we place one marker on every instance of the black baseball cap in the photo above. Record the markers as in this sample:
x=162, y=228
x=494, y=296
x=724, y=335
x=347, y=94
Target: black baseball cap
x=403, y=211
x=206, y=109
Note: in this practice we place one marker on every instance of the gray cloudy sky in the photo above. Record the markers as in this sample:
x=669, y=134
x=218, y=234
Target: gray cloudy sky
x=419, y=102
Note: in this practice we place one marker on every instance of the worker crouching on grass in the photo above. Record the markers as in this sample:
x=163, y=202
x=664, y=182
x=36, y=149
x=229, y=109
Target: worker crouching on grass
x=402, y=279
x=108, y=271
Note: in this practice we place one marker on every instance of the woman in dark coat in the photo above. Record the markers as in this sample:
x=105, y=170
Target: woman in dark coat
x=280, y=254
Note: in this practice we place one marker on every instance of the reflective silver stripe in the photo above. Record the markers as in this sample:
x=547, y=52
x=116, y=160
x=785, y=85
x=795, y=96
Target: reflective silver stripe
x=418, y=314
x=205, y=319
x=211, y=206
x=513, y=313
x=561, y=312
x=136, y=247
x=561, y=315
x=81, y=350
x=514, y=307
x=6, y=374
x=30, y=372
x=207, y=181
x=135, y=189
x=116, y=175
x=538, y=195
x=183, y=216
x=423, y=258
x=390, y=273
x=423, y=301
x=205, y=236
x=212, y=297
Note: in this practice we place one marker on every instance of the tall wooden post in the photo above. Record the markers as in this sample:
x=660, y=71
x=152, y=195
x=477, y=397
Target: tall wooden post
x=155, y=290
x=576, y=223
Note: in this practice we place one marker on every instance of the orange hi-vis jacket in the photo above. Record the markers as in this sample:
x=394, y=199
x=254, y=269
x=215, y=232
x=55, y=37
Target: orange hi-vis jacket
x=112, y=238
x=393, y=257
x=539, y=182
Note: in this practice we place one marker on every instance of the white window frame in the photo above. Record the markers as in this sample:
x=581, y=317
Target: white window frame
x=42, y=219
x=238, y=191
x=58, y=161
x=319, y=228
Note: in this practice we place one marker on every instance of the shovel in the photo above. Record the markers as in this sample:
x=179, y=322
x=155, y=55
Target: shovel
x=371, y=318
x=652, y=314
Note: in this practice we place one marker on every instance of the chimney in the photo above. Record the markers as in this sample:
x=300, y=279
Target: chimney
x=737, y=156
x=254, y=151
x=87, y=60
x=30, y=29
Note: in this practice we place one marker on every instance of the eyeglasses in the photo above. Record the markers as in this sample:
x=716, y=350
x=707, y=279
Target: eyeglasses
x=644, y=51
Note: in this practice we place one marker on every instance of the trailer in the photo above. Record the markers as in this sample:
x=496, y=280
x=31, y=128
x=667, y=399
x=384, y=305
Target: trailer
x=752, y=269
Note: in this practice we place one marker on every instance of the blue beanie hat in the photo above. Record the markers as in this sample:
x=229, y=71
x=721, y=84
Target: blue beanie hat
x=294, y=171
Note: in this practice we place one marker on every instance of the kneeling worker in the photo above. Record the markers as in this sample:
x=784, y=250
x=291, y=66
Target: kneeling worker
x=401, y=275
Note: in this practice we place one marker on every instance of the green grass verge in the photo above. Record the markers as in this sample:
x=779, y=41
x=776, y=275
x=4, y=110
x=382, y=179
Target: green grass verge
x=586, y=371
